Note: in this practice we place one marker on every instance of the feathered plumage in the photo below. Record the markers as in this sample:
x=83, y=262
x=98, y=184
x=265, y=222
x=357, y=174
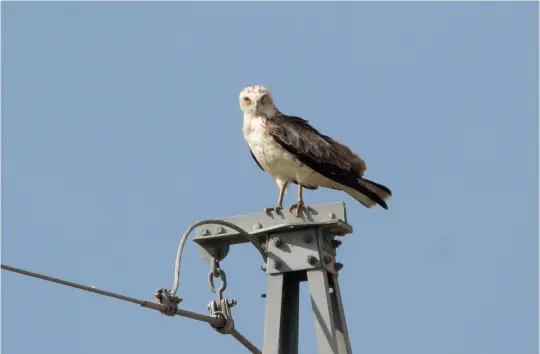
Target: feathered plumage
x=291, y=150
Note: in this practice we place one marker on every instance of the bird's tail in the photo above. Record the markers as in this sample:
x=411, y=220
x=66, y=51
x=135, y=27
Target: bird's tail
x=370, y=193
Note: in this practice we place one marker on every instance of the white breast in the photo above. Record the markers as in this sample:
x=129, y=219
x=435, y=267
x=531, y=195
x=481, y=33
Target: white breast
x=275, y=160
x=279, y=163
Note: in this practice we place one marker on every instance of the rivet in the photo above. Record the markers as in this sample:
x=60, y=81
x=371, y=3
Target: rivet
x=205, y=232
x=277, y=241
x=311, y=259
x=257, y=226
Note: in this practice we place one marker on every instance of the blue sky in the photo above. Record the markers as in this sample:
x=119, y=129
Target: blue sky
x=121, y=127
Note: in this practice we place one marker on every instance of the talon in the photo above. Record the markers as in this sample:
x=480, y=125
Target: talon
x=296, y=208
x=277, y=209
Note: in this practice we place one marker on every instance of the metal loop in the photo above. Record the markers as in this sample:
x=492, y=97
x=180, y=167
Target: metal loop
x=223, y=281
x=215, y=267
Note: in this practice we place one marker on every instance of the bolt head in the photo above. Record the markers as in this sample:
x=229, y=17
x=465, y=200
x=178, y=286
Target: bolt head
x=205, y=232
x=220, y=230
x=308, y=239
x=332, y=216
x=339, y=266
x=311, y=259
x=277, y=241
x=257, y=226
x=277, y=264
x=327, y=259
x=263, y=267
x=336, y=243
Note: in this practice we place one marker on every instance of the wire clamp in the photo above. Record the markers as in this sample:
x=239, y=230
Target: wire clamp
x=170, y=301
x=222, y=311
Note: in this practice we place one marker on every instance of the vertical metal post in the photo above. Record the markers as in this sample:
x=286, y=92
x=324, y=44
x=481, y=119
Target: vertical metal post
x=282, y=314
x=291, y=314
x=273, y=314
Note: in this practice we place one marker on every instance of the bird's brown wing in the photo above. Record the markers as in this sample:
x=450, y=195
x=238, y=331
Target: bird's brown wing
x=321, y=153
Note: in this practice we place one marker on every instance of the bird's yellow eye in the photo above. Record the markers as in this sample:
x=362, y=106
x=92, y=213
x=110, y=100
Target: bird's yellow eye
x=247, y=100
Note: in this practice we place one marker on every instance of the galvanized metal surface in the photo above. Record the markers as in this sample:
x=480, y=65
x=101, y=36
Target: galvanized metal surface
x=273, y=314
x=342, y=335
x=296, y=250
x=319, y=291
x=281, y=323
x=307, y=254
x=208, y=253
x=331, y=217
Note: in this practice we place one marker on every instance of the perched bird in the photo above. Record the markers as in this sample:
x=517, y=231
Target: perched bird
x=292, y=151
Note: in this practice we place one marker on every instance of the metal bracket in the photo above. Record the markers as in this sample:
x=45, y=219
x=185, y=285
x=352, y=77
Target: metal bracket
x=217, y=252
x=330, y=217
x=301, y=250
x=292, y=251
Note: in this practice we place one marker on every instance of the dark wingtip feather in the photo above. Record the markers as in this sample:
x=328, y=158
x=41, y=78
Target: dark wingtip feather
x=380, y=186
x=371, y=195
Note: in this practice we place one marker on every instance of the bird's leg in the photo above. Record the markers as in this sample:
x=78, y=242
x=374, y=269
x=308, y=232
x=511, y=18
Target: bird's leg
x=279, y=204
x=296, y=208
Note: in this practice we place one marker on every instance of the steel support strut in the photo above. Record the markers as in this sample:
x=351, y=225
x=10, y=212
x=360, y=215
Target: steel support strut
x=314, y=265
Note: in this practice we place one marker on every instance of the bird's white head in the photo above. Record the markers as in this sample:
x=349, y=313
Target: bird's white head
x=257, y=100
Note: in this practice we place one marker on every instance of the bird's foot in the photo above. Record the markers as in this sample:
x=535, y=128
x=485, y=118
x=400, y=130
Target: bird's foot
x=295, y=209
x=277, y=209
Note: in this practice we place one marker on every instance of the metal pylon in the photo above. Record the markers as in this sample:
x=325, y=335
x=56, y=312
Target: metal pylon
x=298, y=249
